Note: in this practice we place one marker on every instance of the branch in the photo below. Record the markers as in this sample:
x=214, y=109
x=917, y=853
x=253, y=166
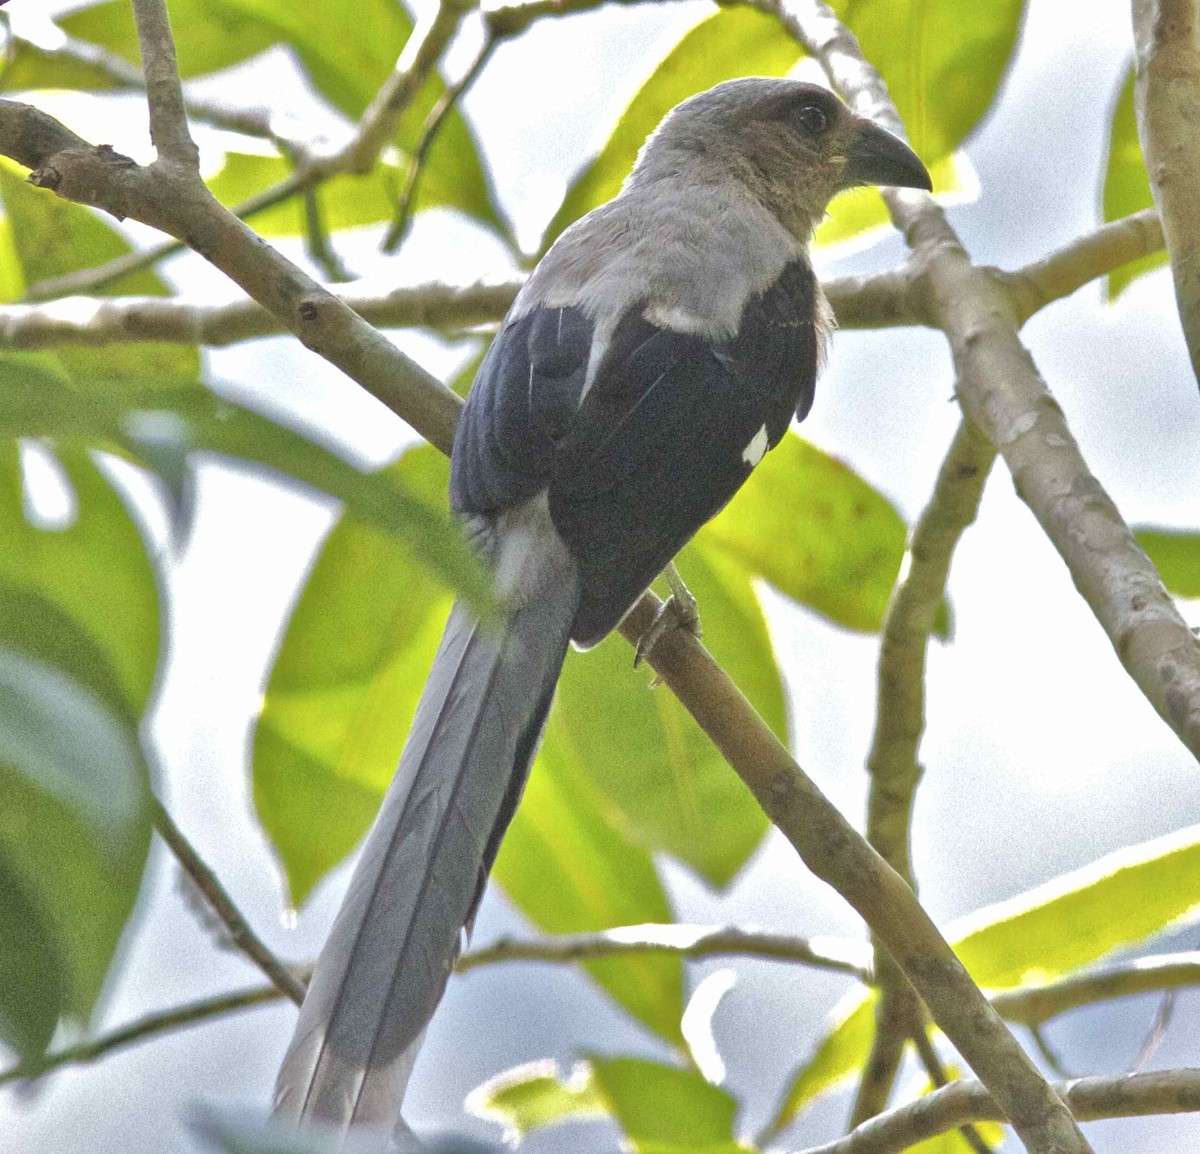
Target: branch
x=1002, y=393
x=839, y=856
x=114, y=320
x=1036, y=1004
x=240, y=933
x=900, y=721
x=1125, y=1096
x=1166, y=93
x=932, y=1062
x=375, y=129
x=680, y=940
x=1093, y=255
x=169, y=131
x=140, y=1030
x=177, y=202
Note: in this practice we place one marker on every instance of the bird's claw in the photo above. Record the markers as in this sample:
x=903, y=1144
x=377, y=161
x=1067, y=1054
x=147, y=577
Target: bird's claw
x=679, y=611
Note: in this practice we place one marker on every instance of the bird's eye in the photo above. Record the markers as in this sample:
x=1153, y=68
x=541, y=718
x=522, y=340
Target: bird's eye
x=813, y=119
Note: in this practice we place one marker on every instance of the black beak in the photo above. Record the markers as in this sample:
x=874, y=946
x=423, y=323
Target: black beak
x=878, y=157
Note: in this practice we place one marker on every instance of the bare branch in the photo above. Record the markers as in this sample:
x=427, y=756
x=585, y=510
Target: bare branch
x=1126, y=1096
x=1002, y=392
x=1166, y=94
x=838, y=855
x=1093, y=255
x=180, y=205
x=900, y=721
x=164, y=93
x=357, y=155
x=1033, y=1005
x=240, y=933
x=932, y=1061
x=682, y=941
x=150, y=1026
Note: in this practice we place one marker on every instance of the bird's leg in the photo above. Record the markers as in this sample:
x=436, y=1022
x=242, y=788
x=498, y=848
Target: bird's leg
x=678, y=611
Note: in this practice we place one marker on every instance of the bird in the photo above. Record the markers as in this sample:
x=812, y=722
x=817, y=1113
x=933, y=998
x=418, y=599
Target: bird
x=660, y=348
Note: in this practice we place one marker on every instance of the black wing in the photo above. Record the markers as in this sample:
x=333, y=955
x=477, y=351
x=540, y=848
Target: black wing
x=670, y=428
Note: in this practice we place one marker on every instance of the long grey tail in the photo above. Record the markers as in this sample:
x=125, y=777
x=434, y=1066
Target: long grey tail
x=425, y=864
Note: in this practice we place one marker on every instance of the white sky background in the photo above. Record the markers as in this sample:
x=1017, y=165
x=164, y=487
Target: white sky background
x=1040, y=754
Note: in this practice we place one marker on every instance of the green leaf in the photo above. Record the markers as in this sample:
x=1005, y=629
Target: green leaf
x=809, y=525
x=344, y=688
x=1072, y=921
x=667, y=1109
x=839, y=1055
x=528, y=1097
x=669, y=788
x=944, y=62
x=1126, y=185
x=78, y=648
x=1083, y=916
x=1176, y=556
x=732, y=42
x=347, y=68
x=569, y=869
x=51, y=237
x=208, y=36
x=95, y=571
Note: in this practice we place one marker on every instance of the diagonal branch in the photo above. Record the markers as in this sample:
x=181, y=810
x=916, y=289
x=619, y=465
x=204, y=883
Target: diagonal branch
x=240, y=932
x=169, y=132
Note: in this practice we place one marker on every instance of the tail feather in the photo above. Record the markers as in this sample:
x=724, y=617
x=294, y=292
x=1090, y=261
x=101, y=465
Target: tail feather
x=424, y=866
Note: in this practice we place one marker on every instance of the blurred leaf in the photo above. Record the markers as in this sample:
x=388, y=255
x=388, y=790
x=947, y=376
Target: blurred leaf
x=528, y=1097
x=1176, y=556
x=1071, y=921
x=1126, y=185
x=732, y=42
x=667, y=1109
x=78, y=649
x=51, y=237
x=96, y=570
x=348, y=68
x=568, y=869
x=809, y=525
x=209, y=35
x=344, y=688
x=669, y=788
x=944, y=62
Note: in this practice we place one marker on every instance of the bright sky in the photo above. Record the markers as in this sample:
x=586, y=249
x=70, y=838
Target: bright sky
x=1040, y=754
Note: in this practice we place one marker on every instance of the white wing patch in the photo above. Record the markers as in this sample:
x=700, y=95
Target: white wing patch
x=756, y=450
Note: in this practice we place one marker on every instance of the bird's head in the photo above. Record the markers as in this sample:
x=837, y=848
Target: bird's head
x=794, y=145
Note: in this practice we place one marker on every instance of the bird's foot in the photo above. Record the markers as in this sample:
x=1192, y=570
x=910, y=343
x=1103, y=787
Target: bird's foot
x=679, y=611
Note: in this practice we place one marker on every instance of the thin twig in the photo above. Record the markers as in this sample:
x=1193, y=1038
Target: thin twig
x=150, y=1026
x=239, y=930
x=682, y=941
x=1125, y=1096
x=429, y=133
